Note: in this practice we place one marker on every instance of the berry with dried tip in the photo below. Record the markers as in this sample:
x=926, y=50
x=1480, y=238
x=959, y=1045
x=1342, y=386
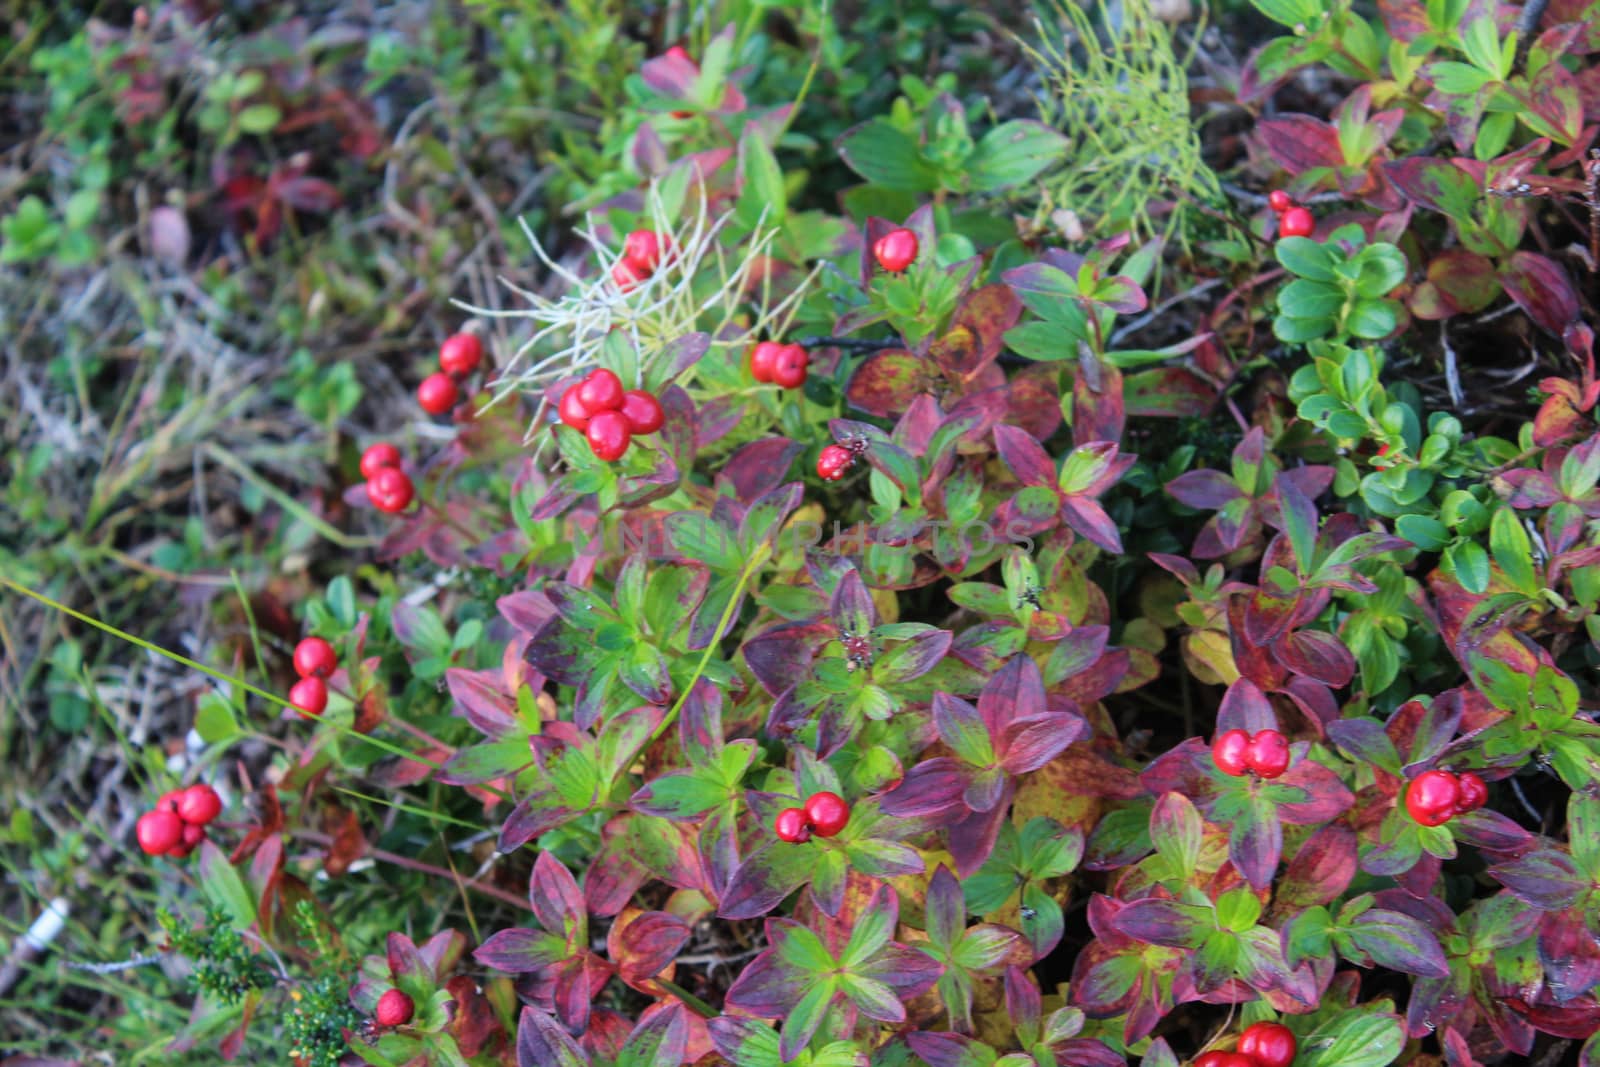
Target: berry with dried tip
x=199, y=804
x=159, y=831
x=390, y=490
x=1231, y=752
x=642, y=251
x=791, y=826
x=572, y=411
x=600, y=391
x=642, y=411
x=438, y=393
x=895, y=250
x=1268, y=1044
x=1432, y=796
x=834, y=461
x=380, y=456
x=394, y=1009
x=1279, y=201
x=789, y=366
x=1297, y=222
x=827, y=813
x=609, y=435
x=1474, y=793
x=1269, y=753
x=315, y=656
x=460, y=354
x=626, y=276
x=762, y=357
x=309, y=696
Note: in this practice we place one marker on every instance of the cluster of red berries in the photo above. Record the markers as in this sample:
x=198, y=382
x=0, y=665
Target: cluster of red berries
x=825, y=814
x=1293, y=220
x=1435, y=797
x=1261, y=1045
x=314, y=660
x=895, y=250
x=388, y=487
x=1265, y=754
x=178, y=823
x=610, y=418
x=778, y=364
x=459, y=356
x=641, y=255
x=395, y=1008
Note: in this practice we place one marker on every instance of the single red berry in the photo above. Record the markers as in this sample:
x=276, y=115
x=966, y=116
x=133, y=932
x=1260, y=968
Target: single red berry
x=791, y=826
x=677, y=52
x=789, y=366
x=199, y=804
x=834, y=461
x=1222, y=1059
x=642, y=251
x=1383, y=449
x=572, y=411
x=1474, y=793
x=169, y=800
x=309, y=696
x=1268, y=1044
x=193, y=834
x=1231, y=752
x=460, y=354
x=394, y=1009
x=609, y=435
x=390, y=490
x=761, y=360
x=1269, y=753
x=1279, y=201
x=438, y=393
x=600, y=391
x=1297, y=222
x=642, y=411
x=380, y=456
x=626, y=276
x=1432, y=796
x=315, y=656
x=895, y=250
x=159, y=831
x=827, y=813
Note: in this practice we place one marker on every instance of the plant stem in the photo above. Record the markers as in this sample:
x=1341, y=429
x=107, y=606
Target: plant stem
x=850, y=343
x=749, y=568
x=316, y=838
x=694, y=1003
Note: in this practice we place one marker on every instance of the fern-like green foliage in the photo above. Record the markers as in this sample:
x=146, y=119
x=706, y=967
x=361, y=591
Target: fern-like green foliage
x=1116, y=85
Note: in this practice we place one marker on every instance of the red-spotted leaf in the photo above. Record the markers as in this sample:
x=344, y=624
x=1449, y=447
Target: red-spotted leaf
x=658, y=1041
x=1543, y=289
x=1391, y=939
x=556, y=899
x=542, y=1042
x=1245, y=707
x=645, y=945
x=1164, y=922
x=1023, y=455
x=888, y=382
x=1321, y=870
x=519, y=951
x=1299, y=143
x=1255, y=840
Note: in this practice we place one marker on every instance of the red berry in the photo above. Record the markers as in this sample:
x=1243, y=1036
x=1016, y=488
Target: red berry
x=379, y=457
x=1222, y=1059
x=199, y=804
x=1279, y=201
x=626, y=276
x=642, y=251
x=460, y=354
x=309, y=696
x=438, y=393
x=1231, y=752
x=1432, y=796
x=827, y=813
x=895, y=250
x=609, y=435
x=642, y=411
x=159, y=831
x=789, y=366
x=572, y=411
x=1268, y=1044
x=677, y=52
x=193, y=834
x=169, y=800
x=394, y=1009
x=1296, y=222
x=833, y=462
x=762, y=357
x=1269, y=753
x=314, y=656
x=390, y=490
x=600, y=391
x=1474, y=794
x=791, y=826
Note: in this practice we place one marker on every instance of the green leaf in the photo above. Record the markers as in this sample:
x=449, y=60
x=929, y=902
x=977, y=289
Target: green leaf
x=259, y=118
x=1512, y=551
x=1373, y=319
x=1383, y=266
x=1306, y=299
x=214, y=722
x=224, y=888
x=886, y=155
x=1357, y=1037
x=1012, y=153
x=1469, y=564
x=1424, y=531
x=761, y=190
x=1307, y=258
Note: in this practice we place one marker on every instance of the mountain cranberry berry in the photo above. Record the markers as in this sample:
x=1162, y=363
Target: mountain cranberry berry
x=572, y=411
x=379, y=457
x=609, y=435
x=199, y=804
x=791, y=826
x=626, y=276
x=169, y=800
x=1473, y=793
x=1432, y=796
x=827, y=813
x=1297, y=222
x=394, y=1009
x=1269, y=753
x=193, y=834
x=438, y=393
x=309, y=696
x=761, y=360
x=159, y=831
x=895, y=250
x=789, y=366
x=1279, y=201
x=314, y=656
x=600, y=391
x=642, y=411
x=390, y=490
x=642, y=251
x=833, y=462
x=1230, y=752
x=460, y=354
x=1268, y=1044
x=1223, y=1059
